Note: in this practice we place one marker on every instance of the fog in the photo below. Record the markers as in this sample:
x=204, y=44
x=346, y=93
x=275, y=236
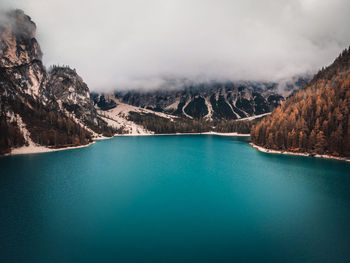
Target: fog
x=143, y=44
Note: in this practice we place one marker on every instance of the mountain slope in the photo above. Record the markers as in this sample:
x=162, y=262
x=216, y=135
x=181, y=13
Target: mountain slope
x=211, y=101
x=30, y=114
x=72, y=94
x=314, y=120
x=208, y=107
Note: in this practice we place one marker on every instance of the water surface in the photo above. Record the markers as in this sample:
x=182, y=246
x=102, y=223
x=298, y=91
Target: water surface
x=173, y=199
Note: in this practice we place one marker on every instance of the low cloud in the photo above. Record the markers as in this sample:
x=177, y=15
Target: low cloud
x=142, y=44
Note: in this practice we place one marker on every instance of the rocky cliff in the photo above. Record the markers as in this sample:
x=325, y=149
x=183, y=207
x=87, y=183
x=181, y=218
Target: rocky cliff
x=72, y=94
x=40, y=108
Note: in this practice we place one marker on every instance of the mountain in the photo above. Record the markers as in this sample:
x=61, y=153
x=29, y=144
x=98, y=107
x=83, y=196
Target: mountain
x=316, y=119
x=40, y=108
x=211, y=101
x=72, y=94
x=206, y=107
x=54, y=108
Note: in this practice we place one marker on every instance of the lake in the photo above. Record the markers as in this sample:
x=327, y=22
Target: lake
x=173, y=199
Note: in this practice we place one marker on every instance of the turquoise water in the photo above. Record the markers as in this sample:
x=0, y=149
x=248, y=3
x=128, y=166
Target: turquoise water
x=173, y=199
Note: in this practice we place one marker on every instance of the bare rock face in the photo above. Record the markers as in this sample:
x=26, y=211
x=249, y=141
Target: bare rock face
x=66, y=85
x=55, y=108
x=18, y=45
x=20, y=56
x=73, y=96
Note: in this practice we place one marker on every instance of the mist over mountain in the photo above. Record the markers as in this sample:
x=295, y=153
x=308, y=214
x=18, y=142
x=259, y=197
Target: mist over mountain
x=40, y=108
x=314, y=120
x=144, y=44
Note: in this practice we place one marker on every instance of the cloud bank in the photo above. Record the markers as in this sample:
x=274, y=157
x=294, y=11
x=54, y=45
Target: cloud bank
x=127, y=44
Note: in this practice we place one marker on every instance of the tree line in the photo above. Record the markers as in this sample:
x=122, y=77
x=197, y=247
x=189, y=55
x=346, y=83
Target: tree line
x=47, y=127
x=161, y=125
x=316, y=119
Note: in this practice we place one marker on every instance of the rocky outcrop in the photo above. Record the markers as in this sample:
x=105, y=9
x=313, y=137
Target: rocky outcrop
x=103, y=102
x=73, y=96
x=53, y=109
x=17, y=40
x=20, y=55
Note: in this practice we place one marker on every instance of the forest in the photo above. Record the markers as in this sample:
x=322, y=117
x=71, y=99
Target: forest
x=46, y=127
x=161, y=125
x=314, y=120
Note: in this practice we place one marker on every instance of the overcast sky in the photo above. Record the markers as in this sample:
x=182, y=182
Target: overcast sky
x=138, y=43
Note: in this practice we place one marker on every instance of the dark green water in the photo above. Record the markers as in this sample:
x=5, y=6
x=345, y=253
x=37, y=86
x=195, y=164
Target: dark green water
x=173, y=199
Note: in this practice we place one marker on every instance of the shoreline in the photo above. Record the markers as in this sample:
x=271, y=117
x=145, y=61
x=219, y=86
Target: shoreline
x=193, y=133
x=323, y=156
x=43, y=149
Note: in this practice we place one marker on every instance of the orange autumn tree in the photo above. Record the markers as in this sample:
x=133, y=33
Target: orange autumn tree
x=316, y=119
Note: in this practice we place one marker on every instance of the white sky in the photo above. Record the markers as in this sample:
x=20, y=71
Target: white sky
x=138, y=43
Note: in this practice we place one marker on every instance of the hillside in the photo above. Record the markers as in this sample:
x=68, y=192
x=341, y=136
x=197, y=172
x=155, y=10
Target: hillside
x=208, y=107
x=316, y=119
x=40, y=108
x=213, y=100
